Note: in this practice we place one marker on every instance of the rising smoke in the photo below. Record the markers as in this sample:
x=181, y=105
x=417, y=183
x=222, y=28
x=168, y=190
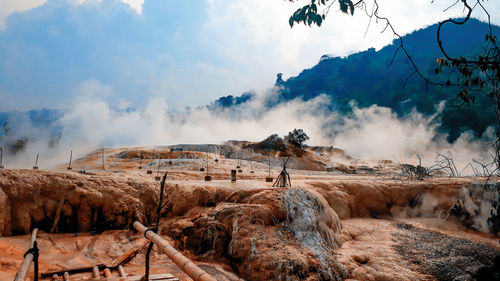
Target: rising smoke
x=370, y=133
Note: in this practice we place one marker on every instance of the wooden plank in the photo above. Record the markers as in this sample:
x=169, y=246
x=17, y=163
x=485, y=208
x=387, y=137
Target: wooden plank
x=160, y=276
x=72, y=270
x=137, y=278
x=128, y=255
x=118, y=261
x=154, y=277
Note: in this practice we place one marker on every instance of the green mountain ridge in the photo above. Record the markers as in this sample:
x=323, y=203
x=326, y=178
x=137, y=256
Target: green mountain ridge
x=369, y=78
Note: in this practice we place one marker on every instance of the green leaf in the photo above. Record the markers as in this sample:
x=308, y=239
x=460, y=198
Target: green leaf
x=346, y=6
x=319, y=20
x=309, y=19
x=351, y=6
x=343, y=6
x=314, y=9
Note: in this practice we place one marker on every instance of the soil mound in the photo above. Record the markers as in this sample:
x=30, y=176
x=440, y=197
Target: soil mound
x=71, y=202
x=263, y=234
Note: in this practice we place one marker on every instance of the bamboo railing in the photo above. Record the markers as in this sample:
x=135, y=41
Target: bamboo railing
x=28, y=258
x=177, y=257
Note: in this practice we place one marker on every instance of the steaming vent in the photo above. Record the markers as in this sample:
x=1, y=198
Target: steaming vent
x=477, y=202
x=314, y=225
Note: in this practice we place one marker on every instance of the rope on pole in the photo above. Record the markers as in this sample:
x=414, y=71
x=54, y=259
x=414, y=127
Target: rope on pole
x=178, y=258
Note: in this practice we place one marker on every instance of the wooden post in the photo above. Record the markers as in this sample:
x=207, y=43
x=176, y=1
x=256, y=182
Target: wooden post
x=1, y=158
x=202, y=169
x=140, y=162
x=216, y=153
x=95, y=271
x=179, y=259
x=158, y=178
x=149, y=171
x=207, y=177
x=121, y=271
x=233, y=175
x=269, y=178
x=269, y=160
x=28, y=258
x=36, y=162
x=103, y=158
x=283, y=179
x=107, y=273
x=70, y=158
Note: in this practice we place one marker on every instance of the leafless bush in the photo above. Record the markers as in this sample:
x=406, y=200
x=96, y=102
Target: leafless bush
x=445, y=164
x=412, y=172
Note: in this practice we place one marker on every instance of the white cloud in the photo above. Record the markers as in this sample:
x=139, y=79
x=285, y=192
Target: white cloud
x=10, y=6
x=242, y=45
x=136, y=5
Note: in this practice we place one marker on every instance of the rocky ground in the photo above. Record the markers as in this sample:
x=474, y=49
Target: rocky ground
x=342, y=219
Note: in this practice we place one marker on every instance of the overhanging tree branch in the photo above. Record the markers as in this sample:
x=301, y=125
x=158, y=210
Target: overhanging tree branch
x=479, y=74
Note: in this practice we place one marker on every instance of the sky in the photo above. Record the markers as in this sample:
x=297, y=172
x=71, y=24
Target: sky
x=188, y=53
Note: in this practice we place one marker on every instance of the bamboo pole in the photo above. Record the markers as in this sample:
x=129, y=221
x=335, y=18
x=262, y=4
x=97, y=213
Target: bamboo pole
x=107, y=273
x=178, y=258
x=121, y=271
x=95, y=271
x=25, y=266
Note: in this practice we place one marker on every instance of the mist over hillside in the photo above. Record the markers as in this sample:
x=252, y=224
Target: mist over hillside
x=369, y=78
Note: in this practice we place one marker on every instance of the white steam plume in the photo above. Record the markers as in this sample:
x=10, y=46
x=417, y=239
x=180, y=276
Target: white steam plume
x=370, y=133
